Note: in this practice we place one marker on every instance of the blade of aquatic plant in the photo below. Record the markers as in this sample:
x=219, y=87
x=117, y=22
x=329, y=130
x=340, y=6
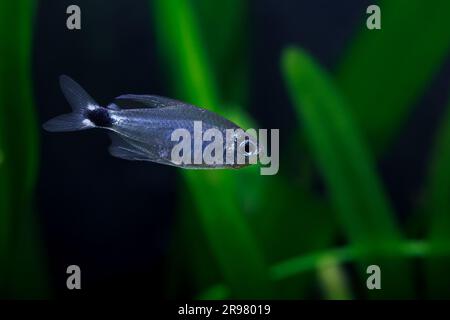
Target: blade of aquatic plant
x=199, y=264
x=233, y=244
x=215, y=193
x=300, y=264
x=339, y=151
x=179, y=41
x=292, y=231
x=249, y=198
x=24, y=276
x=294, y=266
x=386, y=70
x=346, y=165
x=437, y=209
x=224, y=27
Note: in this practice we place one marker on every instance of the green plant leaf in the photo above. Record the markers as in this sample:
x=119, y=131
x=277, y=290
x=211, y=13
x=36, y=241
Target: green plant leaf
x=22, y=270
x=180, y=43
x=238, y=199
x=345, y=163
x=305, y=263
x=225, y=29
x=215, y=193
x=385, y=71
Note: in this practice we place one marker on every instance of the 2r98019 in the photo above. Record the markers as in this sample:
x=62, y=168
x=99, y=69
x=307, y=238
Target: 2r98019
x=245, y=309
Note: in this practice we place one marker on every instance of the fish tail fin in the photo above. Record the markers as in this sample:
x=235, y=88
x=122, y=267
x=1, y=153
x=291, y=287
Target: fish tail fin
x=83, y=108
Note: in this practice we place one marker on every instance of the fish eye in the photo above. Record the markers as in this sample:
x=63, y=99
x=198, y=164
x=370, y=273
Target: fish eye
x=248, y=147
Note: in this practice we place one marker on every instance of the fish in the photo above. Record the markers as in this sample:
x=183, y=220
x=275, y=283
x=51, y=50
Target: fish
x=141, y=128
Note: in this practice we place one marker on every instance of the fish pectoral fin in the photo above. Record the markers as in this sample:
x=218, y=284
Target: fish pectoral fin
x=145, y=101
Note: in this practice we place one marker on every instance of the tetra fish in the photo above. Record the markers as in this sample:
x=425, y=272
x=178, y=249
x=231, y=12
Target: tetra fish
x=141, y=127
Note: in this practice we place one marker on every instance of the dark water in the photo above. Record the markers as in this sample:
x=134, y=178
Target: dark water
x=114, y=218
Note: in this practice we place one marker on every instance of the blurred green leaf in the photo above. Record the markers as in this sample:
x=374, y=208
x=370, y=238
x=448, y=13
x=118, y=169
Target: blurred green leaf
x=22, y=270
x=342, y=157
x=294, y=266
x=193, y=63
x=385, y=71
x=225, y=29
x=292, y=221
x=180, y=43
x=344, y=161
x=215, y=193
x=437, y=208
x=234, y=246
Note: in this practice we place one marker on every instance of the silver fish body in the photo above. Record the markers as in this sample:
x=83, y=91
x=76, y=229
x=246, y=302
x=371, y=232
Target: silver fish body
x=141, y=127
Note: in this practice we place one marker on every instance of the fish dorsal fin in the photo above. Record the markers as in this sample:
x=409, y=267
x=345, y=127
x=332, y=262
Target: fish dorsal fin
x=145, y=101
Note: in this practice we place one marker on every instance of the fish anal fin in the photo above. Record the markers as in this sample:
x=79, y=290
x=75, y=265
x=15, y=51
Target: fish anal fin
x=122, y=148
x=127, y=154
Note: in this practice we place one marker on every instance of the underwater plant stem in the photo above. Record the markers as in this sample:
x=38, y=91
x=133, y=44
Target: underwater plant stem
x=333, y=279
